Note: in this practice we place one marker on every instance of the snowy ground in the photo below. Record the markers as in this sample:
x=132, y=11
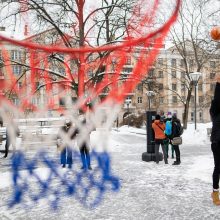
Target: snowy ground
x=148, y=191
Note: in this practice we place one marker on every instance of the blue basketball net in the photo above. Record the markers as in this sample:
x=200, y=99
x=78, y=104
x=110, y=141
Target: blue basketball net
x=88, y=187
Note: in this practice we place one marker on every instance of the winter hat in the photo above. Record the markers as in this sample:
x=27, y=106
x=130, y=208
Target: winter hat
x=157, y=117
x=169, y=116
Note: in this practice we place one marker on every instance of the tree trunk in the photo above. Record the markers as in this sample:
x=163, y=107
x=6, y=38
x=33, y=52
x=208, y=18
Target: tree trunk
x=186, y=108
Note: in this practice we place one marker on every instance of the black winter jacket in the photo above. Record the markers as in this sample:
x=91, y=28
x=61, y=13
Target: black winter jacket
x=176, y=124
x=215, y=115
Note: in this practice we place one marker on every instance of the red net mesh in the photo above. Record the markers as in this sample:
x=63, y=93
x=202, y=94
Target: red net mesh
x=108, y=78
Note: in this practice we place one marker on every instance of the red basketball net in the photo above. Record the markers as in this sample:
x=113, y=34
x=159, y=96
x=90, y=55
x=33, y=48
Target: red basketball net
x=108, y=78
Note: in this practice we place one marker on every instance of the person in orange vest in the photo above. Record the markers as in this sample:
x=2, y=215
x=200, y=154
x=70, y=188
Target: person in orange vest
x=159, y=127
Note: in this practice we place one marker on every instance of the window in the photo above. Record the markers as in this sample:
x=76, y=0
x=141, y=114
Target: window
x=200, y=99
x=140, y=87
x=212, y=75
x=173, y=87
x=173, y=73
x=182, y=63
x=16, y=55
x=183, y=87
x=128, y=60
x=192, y=100
x=200, y=116
x=90, y=73
x=62, y=71
x=212, y=87
x=191, y=63
x=200, y=87
x=160, y=61
x=127, y=70
x=37, y=84
x=16, y=69
x=35, y=101
x=16, y=101
x=151, y=73
x=192, y=116
x=160, y=74
x=161, y=99
x=173, y=62
x=19, y=85
x=139, y=100
x=61, y=56
x=183, y=75
x=62, y=102
x=212, y=64
x=174, y=99
x=90, y=58
x=160, y=86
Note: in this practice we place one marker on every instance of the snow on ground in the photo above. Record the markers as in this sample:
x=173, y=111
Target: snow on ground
x=148, y=191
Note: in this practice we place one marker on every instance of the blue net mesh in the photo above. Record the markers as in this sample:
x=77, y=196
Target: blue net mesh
x=42, y=178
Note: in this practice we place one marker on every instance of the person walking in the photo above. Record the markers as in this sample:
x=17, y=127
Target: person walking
x=215, y=141
x=159, y=127
x=176, y=132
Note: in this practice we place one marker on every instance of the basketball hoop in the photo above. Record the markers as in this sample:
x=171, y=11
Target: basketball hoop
x=101, y=113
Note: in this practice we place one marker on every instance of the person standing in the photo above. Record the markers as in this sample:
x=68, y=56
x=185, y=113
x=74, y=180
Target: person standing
x=83, y=134
x=159, y=127
x=12, y=132
x=215, y=141
x=64, y=141
x=176, y=130
x=168, y=133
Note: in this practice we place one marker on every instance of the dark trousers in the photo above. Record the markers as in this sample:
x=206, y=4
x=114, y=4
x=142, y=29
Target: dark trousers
x=177, y=152
x=216, y=173
x=7, y=144
x=66, y=156
x=159, y=142
x=85, y=157
x=167, y=142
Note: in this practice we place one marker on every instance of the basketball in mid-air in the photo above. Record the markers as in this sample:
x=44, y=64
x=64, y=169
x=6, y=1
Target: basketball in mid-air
x=215, y=33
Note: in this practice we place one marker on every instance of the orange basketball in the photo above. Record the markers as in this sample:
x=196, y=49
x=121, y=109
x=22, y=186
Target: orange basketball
x=215, y=33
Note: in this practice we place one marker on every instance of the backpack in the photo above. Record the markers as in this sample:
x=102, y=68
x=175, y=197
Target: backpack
x=179, y=128
x=168, y=128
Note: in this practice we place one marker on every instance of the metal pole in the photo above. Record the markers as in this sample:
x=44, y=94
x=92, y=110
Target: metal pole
x=195, y=104
x=149, y=102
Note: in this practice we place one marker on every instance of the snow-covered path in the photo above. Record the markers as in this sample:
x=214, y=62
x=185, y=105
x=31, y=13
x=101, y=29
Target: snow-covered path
x=148, y=191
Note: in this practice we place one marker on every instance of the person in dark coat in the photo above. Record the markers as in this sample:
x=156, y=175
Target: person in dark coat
x=215, y=141
x=83, y=142
x=176, y=125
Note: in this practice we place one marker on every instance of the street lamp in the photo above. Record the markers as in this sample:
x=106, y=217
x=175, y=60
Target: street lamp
x=128, y=102
x=149, y=95
x=194, y=78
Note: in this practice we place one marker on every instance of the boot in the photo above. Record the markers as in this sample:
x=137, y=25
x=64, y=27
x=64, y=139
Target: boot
x=215, y=197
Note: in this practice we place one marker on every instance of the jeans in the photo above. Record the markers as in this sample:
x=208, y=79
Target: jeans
x=216, y=173
x=159, y=142
x=66, y=156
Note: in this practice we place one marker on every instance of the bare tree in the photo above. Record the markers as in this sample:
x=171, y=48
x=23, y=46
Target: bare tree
x=191, y=40
x=77, y=24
